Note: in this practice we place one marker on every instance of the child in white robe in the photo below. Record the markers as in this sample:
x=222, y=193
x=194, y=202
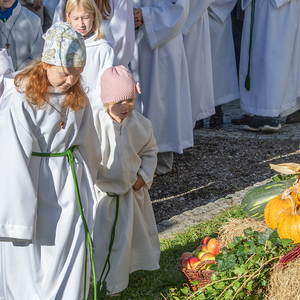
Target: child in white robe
x=20, y=33
x=49, y=158
x=125, y=174
x=84, y=17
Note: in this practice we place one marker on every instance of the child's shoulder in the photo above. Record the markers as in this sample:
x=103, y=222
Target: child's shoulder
x=140, y=121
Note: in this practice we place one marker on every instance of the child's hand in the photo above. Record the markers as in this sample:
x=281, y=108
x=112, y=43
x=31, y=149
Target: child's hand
x=139, y=183
x=138, y=17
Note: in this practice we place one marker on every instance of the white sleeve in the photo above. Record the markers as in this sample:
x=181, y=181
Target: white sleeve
x=164, y=21
x=18, y=197
x=195, y=14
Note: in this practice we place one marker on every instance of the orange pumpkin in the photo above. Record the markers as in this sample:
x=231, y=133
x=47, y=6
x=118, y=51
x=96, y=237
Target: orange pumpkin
x=289, y=223
x=277, y=205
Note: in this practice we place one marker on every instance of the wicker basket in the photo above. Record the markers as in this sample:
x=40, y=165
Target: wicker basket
x=203, y=276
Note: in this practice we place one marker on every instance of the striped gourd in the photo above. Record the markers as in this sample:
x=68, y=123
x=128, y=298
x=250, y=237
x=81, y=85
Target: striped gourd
x=255, y=200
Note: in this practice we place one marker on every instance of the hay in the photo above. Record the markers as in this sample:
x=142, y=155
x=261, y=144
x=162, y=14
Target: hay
x=236, y=227
x=284, y=284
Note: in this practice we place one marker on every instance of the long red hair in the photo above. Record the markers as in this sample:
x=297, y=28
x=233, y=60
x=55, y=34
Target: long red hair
x=104, y=8
x=32, y=83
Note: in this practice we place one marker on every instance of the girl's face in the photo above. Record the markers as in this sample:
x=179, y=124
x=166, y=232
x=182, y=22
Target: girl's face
x=62, y=78
x=81, y=20
x=120, y=110
x=5, y=4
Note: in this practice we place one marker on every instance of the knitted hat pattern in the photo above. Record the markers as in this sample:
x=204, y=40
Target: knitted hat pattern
x=117, y=84
x=63, y=47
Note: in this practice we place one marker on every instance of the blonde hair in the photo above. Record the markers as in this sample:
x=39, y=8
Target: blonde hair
x=91, y=7
x=32, y=83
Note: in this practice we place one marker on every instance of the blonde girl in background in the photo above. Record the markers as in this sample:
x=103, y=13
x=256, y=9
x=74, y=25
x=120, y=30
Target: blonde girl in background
x=49, y=156
x=125, y=231
x=84, y=17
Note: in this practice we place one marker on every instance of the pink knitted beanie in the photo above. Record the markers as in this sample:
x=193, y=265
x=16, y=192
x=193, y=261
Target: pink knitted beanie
x=117, y=84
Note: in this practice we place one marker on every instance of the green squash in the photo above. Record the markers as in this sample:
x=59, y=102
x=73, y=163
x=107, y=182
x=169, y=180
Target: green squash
x=255, y=200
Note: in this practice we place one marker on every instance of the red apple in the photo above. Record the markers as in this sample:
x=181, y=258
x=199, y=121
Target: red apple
x=186, y=255
x=189, y=262
x=207, y=256
x=205, y=240
x=204, y=248
x=214, y=246
x=201, y=253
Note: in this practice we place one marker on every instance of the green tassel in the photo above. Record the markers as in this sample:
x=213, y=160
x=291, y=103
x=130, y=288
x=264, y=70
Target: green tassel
x=247, y=83
x=103, y=291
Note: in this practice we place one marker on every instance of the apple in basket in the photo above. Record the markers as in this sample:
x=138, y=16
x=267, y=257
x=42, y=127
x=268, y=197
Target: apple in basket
x=197, y=250
x=214, y=246
x=186, y=255
x=207, y=256
x=191, y=262
x=202, y=253
x=204, y=243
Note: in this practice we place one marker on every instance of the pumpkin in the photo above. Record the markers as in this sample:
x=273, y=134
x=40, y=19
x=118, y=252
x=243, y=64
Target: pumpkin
x=289, y=223
x=255, y=200
x=277, y=205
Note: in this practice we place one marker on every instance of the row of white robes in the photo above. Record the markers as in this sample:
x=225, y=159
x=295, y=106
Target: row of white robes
x=275, y=59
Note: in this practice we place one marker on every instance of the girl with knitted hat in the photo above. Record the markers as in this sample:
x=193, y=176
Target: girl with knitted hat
x=49, y=154
x=84, y=17
x=125, y=234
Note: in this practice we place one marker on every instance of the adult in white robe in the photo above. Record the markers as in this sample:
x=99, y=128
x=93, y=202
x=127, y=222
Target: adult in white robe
x=23, y=30
x=99, y=56
x=42, y=248
x=274, y=61
x=225, y=77
x=159, y=64
x=119, y=30
x=196, y=39
x=127, y=149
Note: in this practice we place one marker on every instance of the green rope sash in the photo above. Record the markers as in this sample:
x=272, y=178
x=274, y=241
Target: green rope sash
x=88, y=239
x=247, y=80
x=103, y=290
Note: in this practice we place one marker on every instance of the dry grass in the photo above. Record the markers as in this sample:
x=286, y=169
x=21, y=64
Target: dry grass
x=236, y=227
x=285, y=284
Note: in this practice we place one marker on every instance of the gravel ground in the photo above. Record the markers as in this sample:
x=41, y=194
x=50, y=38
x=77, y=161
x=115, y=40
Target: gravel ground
x=222, y=162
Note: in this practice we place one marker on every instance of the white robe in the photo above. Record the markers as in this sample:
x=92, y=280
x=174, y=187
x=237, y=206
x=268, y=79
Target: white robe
x=196, y=39
x=119, y=30
x=24, y=32
x=274, y=61
x=225, y=76
x=51, y=6
x=99, y=57
x=42, y=248
x=127, y=149
x=160, y=65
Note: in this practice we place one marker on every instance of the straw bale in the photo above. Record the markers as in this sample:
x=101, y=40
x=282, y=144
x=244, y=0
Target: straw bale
x=284, y=284
x=236, y=227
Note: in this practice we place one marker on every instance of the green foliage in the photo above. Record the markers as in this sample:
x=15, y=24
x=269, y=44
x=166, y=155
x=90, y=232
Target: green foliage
x=281, y=177
x=243, y=267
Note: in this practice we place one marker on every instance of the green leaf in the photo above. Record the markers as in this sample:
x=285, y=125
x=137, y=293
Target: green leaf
x=185, y=290
x=286, y=242
x=239, y=270
x=228, y=294
x=219, y=285
x=248, y=231
x=249, y=285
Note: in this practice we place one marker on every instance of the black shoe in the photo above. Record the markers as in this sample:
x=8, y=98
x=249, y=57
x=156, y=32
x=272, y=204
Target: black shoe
x=199, y=124
x=293, y=118
x=216, y=120
x=265, y=124
x=243, y=120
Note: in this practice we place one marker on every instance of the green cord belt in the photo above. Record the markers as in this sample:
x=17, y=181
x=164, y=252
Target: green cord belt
x=88, y=239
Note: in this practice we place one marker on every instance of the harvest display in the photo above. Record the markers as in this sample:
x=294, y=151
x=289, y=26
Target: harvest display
x=242, y=269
